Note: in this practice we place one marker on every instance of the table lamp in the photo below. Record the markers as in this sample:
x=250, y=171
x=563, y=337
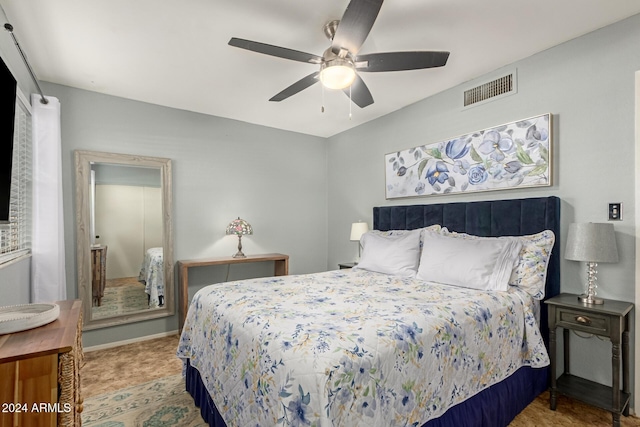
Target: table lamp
x=357, y=230
x=592, y=243
x=239, y=227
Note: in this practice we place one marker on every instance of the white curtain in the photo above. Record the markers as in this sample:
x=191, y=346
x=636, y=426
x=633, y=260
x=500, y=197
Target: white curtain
x=48, y=277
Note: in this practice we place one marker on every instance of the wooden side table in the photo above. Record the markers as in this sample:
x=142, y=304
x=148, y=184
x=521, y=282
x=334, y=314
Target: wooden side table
x=610, y=320
x=280, y=261
x=40, y=372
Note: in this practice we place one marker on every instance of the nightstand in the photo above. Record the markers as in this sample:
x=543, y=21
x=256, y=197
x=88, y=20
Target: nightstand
x=610, y=320
x=347, y=265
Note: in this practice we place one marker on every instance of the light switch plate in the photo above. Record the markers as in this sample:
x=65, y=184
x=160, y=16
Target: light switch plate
x=615, y=211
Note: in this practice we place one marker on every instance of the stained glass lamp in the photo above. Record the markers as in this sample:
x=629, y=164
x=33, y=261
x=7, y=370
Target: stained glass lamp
x=239, y=227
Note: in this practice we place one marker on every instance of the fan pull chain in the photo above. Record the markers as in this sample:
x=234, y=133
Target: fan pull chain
x=350, y=102
x=322, y=108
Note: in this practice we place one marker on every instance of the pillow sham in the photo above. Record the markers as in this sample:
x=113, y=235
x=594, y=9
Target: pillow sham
x=395, y=254
x=530, y=271
x=434, y=227
x=482, y=263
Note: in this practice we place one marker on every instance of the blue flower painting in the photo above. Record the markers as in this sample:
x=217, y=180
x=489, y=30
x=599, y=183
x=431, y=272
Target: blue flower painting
x=513, y=155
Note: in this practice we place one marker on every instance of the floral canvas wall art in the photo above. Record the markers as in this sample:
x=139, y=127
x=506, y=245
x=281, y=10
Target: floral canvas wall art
x=509, y=156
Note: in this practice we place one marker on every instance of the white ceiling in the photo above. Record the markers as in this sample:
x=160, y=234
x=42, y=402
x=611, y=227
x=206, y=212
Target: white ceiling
x=175, y=53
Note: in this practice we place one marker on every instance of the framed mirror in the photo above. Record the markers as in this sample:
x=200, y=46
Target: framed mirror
x=124, y=238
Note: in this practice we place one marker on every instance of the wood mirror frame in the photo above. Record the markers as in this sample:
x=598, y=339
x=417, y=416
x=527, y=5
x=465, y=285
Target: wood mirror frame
x=83, y=162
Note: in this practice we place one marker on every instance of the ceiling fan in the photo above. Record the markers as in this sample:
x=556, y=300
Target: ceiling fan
x=340, y=63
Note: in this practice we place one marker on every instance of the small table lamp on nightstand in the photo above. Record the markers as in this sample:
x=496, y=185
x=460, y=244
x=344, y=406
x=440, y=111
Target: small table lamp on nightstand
x=357, y=230
x=593, y=243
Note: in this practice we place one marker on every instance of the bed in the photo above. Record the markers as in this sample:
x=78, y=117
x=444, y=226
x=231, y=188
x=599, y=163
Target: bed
x=152, y=276
x=305, y=350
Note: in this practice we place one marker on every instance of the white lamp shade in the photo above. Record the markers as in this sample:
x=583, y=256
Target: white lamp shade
x=357, y=230
x=591, y=242
x=337, y=77
x=337, y=73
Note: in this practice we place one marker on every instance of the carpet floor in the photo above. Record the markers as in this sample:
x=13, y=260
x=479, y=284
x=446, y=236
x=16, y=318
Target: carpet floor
x=120, y=393
x=124, y=297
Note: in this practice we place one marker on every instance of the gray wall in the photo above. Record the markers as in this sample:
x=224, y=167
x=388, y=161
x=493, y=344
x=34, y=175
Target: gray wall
x=15, y=282
x=126, y=175
x=222, y=169
x=588, y=86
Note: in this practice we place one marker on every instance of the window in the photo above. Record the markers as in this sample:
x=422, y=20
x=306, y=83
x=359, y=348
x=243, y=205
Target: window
x=15, y=237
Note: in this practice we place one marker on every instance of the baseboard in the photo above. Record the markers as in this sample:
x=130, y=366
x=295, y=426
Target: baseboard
x=130, y=341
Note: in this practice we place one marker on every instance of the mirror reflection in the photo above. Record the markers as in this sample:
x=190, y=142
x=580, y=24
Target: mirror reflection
x=126, y=249
x=124, y=237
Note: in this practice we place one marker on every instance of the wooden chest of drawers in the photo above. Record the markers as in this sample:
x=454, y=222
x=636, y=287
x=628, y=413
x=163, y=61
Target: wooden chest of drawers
x=40, y=372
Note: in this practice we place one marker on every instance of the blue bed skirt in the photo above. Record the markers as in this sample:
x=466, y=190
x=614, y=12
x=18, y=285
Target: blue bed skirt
x=495, y=406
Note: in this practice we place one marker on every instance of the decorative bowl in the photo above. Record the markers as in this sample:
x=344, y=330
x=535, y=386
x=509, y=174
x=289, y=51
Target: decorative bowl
x=17, y=318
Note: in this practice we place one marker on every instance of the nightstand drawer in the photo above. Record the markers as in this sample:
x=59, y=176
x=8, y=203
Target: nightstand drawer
x=586, y=322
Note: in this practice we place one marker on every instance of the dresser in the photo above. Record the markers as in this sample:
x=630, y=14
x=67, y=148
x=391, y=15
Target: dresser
x=98, y=273
x=40, y=371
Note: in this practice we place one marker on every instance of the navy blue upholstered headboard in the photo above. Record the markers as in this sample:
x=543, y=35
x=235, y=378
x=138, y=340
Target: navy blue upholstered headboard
x=488, y=218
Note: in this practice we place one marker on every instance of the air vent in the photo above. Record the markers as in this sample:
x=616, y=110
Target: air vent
x=501, y=86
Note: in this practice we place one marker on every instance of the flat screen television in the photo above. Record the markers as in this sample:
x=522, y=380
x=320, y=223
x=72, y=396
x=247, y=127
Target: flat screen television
x=7, y=120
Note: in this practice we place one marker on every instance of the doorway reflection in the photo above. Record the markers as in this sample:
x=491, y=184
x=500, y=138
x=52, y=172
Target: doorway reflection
x=127, y=265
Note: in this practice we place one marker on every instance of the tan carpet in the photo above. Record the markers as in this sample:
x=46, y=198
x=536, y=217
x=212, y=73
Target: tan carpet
x=116, y=368
x=109, y=370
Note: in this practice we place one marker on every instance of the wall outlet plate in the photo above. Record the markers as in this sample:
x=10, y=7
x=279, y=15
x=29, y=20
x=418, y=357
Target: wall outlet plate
x=615, y=211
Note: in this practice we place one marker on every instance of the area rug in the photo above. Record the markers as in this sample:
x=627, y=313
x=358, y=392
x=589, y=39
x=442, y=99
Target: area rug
x=160, y=403
x=119, y=300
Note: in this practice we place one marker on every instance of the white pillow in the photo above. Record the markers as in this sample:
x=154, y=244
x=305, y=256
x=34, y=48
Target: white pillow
x=483, y=263
x=395, y=254
x=434, y=227
x=530, y=271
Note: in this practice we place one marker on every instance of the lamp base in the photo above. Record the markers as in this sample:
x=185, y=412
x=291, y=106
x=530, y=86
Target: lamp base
x=239, y=254
x=590, y=299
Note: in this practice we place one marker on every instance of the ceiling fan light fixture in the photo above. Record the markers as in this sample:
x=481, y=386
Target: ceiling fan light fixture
x=337, y=74
x=339, y=62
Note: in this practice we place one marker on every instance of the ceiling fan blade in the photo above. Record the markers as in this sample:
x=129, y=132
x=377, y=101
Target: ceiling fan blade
x=298, y=86
x=400, y=61
x=360, y=94
x=355, y=25
x=280, y=52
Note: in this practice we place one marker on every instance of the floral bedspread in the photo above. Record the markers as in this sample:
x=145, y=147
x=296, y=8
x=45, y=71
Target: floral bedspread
x=152, y=275
x=353, y=348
